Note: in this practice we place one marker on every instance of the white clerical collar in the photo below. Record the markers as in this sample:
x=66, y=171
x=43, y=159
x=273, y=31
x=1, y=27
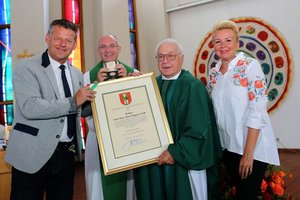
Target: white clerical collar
x=172, y=78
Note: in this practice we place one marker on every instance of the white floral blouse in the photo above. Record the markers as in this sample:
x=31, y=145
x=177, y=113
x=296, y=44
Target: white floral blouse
x=240, y=101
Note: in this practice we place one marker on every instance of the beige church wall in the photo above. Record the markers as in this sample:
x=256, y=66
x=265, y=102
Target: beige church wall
x=153, y=26
x=92, y=29
x=105, y=17
x=190, y=25
x=29, y=25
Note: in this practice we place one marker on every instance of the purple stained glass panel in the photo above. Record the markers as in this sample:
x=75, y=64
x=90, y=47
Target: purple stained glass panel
x=133, y=50
x=131, y=14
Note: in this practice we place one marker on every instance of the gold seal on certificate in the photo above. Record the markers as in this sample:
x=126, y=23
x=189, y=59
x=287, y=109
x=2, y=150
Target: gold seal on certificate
x=130, y=122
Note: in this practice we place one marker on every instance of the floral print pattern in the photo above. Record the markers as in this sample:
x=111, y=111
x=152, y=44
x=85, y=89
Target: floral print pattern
x=239, y=74
x=213, y=75
x=256, y=88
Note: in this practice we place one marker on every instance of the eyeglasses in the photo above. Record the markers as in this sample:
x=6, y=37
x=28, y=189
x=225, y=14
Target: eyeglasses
x=112, y=46
x=169, y=57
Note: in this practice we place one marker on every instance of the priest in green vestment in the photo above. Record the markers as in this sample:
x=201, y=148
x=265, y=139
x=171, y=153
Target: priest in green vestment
x=99, y=186
x=188, y=168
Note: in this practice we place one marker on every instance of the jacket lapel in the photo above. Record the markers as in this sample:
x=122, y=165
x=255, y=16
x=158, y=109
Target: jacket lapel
x=50, y=73
x=76, y=83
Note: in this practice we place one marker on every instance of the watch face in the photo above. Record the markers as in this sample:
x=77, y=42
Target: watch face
x=259, y=40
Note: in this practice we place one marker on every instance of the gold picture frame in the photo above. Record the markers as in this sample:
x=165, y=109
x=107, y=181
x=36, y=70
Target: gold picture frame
x=130, y=121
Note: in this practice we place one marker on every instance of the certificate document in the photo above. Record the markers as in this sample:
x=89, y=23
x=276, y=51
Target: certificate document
x=130, y=121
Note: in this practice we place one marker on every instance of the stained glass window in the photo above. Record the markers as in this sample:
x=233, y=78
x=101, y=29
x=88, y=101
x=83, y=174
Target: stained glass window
x=71, y=12
x=6, y=94
x=133, y=50
x=131, y=14
x=133, y=34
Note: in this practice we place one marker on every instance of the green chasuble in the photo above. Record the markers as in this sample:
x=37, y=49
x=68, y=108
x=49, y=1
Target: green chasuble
x=114, y=186
x=196, y=142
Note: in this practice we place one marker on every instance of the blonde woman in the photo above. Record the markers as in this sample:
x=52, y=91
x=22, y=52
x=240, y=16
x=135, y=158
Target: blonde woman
x=238, y=90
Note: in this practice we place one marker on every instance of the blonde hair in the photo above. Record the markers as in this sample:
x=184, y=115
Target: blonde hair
x=226, y=24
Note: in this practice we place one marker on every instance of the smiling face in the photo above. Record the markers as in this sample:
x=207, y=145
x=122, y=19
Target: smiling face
x=226, y=44
x=169, y=60
x=61, y=42
x=108, y=48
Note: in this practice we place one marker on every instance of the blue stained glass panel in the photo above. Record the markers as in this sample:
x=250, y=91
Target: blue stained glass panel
x=9, y=114
x=6, y=94
x=6, y=66
x=4, y=12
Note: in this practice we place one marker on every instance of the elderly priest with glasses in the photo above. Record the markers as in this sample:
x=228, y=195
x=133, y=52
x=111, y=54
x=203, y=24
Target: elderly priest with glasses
x=188, y=168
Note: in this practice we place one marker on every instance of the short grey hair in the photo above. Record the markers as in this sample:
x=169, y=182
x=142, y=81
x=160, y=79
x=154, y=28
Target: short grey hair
x=111, y=36
x=170, y=41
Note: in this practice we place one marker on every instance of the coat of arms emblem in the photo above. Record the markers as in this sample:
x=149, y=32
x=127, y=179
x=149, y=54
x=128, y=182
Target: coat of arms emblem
x=125, y=98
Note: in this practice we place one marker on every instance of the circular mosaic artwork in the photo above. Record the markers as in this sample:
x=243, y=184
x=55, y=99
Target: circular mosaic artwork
x=261, y=41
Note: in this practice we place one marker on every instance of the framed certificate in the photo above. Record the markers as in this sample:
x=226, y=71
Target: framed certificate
x=130, y=122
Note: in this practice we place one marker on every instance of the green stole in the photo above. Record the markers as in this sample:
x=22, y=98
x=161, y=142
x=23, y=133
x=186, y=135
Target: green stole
x=166, y=90
x=115, y=185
